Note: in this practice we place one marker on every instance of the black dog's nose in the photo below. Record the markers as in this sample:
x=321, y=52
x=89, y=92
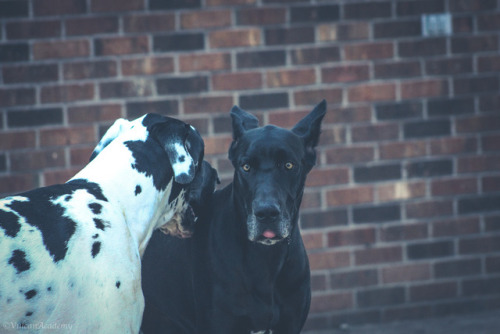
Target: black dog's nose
x=267, y=211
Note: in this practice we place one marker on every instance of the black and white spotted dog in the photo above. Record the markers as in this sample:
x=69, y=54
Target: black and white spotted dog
x=70, y=253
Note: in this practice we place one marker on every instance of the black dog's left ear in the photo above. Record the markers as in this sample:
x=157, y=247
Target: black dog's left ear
x=242, y=121
x=309, y=129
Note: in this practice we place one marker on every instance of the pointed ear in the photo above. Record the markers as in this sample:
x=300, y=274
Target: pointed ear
x=242, y=121
x=309, y=129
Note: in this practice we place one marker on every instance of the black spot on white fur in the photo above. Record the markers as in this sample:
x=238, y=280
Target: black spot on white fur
x=9, y=222
x=138, y=190
x=99, y=223
x=18, y=260
x=96, y=208
x=96, y=248
x=118, y=283
x=30, y=294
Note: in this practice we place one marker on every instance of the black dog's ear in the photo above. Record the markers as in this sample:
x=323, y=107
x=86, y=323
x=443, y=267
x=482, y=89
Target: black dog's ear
x=309, y=129
x=242, y=121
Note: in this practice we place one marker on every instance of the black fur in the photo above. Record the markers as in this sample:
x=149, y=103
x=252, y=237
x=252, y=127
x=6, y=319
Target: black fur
x=233, y=277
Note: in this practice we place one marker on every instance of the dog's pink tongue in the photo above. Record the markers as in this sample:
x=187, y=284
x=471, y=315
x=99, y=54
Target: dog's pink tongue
x=269, y=234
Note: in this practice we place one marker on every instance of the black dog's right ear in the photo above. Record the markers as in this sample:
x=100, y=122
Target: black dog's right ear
x=242, y=121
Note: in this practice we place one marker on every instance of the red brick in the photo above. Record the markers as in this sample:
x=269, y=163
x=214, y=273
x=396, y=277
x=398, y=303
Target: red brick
x=332, y=301
x=474, y=164
x=432, y=208
x=333, y=136
x=345, y=73
x=375, y=132
x=422, y=48
x=313, y=240
x=397, y=70
x=79, y=156
x=124, y=89
x=234, y=38
x=149, y=23
x=121, y=45
x=230, y=2
x=321, y=177
x=472, y=44
x=205, y=62
x=400, y=191
x=94, y=113
x=480, y=245
x=462, y=24
x=58, y=176
x=217, y=145
x=403, y=232
x=293, y=35
x=477, y=124
x=17, y=97
x=453, y=186
x=488, y=22
x=433, y=291
x=37, y=160
x=353, y=279
x=287, y=118
x=67, y=136
x=488, y=63
x=406, y=273
x=406, y=8
x=453, y=145
x=424, y=88
x=315, y=55
x=33, y=29
x=205, y=19
x=378, y=255
x=349, y=196
x=348, y=115
x=349, y=155
x=397, y=150
x=261, y=16
x=329, y=260
x=214, y=104
x=147, y=65
x=91, y=26
x=30, y=73
x=237, y=81
x=471, y=5
x=343, y=32
x=311, y=200
x=12, y=184
x=456, y=226
x=116, y=6
x=490, y=184
x=61, y=49
x=67, y=93
x=18, y=139
x=476, y=84
x=57, y=7
x=359, y=236
x=313, y=97
x=493, y=264
x=286, y=78
x=372, y=92
x=89, y=70
x=448, y=66
x=369, y=51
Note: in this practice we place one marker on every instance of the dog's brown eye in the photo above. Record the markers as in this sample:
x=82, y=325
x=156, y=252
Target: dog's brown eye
x=246, y=167
x=289, y=165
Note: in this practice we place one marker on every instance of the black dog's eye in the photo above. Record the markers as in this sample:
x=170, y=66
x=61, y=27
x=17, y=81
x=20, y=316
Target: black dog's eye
x=289, y=165
x=245, y=167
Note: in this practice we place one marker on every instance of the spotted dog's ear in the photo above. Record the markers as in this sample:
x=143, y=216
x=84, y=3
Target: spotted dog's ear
x=182, y=144
x=119, y=126
x=242, y=121
x=309, y=129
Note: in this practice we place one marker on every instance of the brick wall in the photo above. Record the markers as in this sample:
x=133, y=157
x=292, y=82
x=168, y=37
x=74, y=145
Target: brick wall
x=401, y=216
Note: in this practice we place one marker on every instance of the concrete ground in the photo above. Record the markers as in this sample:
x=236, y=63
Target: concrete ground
x=474, y=323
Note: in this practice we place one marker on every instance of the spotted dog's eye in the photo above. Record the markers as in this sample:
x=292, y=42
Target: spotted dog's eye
x=289, y=165
x=245, y=167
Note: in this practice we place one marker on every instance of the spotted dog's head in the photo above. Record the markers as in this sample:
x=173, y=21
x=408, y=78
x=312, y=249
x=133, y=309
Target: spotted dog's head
x=271, y=165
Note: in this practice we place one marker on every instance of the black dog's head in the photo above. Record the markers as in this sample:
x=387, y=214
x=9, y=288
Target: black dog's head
x=271, y=165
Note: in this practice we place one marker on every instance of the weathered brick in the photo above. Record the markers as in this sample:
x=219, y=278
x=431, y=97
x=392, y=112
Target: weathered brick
x=367, y=10
x=360, y=236
x=379, y=132
x=353, y=279
x=471, y=44
x=79, y=156
x=474, y=164
x=489, y=64
x=478, y=203
x=488, y=22
x=56, y=7
x=14, y=52
x=260, y=59
x=205, y=62
x=294, y=35
x=322, y=219
x=284, y=78
x=397, y=70
x=345, y=73
x=452, y=145
x=30, y=73
x=89, y=70
x=11, y=9
x=457, y=268
x=329, y=260
x=34, y=117
x=37, y=160
x=478, y=124
x=378, y=255
x=61, y=49
x=234, y=38
x=146, y=65
x=462, y=24
x=406, y=273
x=428, y=250
x=315, y=55
x=400, y=110
x=480, y=245
x=349, y=196
x=448, y=66
x=395, y=29
x=264, y=101
x=261, y=16
x=124, y=89
x=319, y=177
x=349, y=155
x=314, y=13
x=417, y=7
x=178, y=42
x=17, y=97
x=367, y=51
x=429, y=168
x=17, y=140
x=182, y=85
x=312, y=97
x=471, y=5
x=149, y=23
x=400, y=191
x=450, y=107
x=377, y=214
x=162, y=107
x=99, y=6
x=236, y=81
x=490, y=184
x=67, y=93
x=67, y=136
x=398, y=150
x=433, y=291
x=343, y=31
x=404, y=232
x=205, y=19
x=422, y=48
x=351, y=114
x=121, y=45
x=30, y=30
x=16, y=183
x=79, y=26
x=174, y=4
x=481, y=286
x=490, y=142
x=426, y=129
x=213, y=104
x=434, y=208
x=476, y=85
x=94, y=113
x=372, y=92
x=332, y=301
x=493, y=264
x=424, y=88
x=453, y=187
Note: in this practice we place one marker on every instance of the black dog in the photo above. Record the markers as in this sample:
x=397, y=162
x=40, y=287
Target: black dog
x=246, y=269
